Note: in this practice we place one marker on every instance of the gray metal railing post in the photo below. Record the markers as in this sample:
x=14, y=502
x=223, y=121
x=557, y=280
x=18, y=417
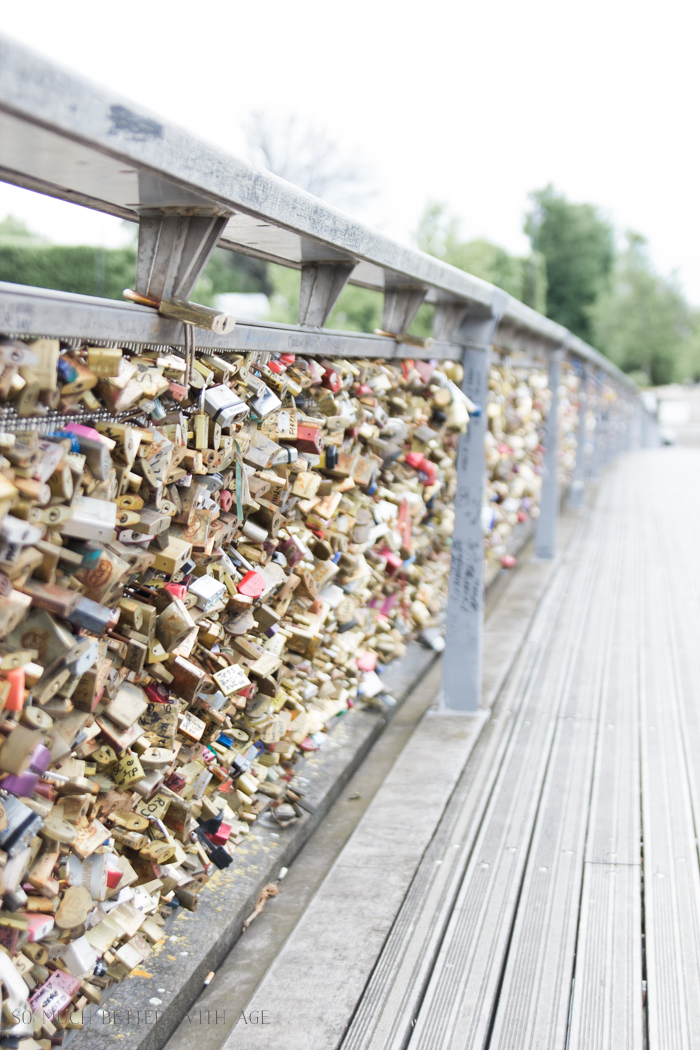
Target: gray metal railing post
x=619, y=429
x=577, y=489
x=649, y=429
x=629, y=424
x=462, y=660
x=609, y=447
x=546, y=531
x=599, y=435
x=637, y=423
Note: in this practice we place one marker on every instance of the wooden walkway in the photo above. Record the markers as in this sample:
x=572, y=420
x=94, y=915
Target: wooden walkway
x=557, y=903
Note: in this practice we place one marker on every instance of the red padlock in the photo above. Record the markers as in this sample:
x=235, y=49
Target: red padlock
x=426, y=466
x=309, y=439
x=221, y=836
x=114, y=876
x=226, y=500
x=157, y=693
x=331, y=380
x=177, y=391
x=393, y=561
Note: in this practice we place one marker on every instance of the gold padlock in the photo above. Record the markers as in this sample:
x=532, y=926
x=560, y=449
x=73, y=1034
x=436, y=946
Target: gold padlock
x=104, y=361
x=128, y=771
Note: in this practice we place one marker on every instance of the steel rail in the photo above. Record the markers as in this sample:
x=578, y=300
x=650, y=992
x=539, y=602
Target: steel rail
x=68, y=138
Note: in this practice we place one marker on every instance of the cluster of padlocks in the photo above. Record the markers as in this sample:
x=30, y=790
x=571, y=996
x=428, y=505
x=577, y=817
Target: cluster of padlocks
x=205, y=560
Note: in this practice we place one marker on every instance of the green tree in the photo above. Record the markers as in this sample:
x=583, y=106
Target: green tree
x=84, y=269
x=642, y=321
x=357, y=309
x=28, y=258
x=439, y=234
x=578, y=247
x=16, y=232
x=228, y=272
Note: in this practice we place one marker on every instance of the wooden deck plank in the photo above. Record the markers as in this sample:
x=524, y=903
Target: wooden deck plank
x=458, y=1007
x=607, y=1000
x=671, y=873
x=391, y=1000
x=534, y=1000
x=606, y=1009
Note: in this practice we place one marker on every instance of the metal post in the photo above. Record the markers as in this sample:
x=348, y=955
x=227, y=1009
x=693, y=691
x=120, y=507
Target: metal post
x=627, y=428
x=546, y=531
x=640, y=413
x=645, y=428
x=462, y=660
x=577, y=489
x=632, y=425
x=610, y=433
x=599, y=436
x=650, y=433
x=619, y=427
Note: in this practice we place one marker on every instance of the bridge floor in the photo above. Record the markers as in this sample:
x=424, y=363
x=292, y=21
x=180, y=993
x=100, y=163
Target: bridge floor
x=554, y=901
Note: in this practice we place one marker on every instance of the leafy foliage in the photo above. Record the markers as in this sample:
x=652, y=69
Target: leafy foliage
x=642, y=322
x=70, y=268
x=357, y=309
x=26, y=258
x=228, y=272
x=577, y=244
x=439, y=234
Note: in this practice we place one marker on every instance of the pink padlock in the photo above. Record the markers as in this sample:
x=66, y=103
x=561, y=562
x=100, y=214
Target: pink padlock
x=366, y=661
x=252, y=584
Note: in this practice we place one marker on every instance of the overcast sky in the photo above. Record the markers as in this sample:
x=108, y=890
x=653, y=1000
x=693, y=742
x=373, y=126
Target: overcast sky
x=471, y=103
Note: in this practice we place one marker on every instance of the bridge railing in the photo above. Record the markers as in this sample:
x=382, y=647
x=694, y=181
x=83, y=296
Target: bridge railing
x=77, y=142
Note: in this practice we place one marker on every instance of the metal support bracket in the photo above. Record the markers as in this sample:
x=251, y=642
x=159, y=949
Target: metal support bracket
x=173, y=250
x=401, y=304
x=448, y=317
x=462, y=660
x=546, y=530
x=321, y=285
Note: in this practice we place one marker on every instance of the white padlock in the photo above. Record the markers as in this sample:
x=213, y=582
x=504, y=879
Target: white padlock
x=207, y=590
x=80, y=957
x=93, y=519
x=224, y=406
x=19, y=533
